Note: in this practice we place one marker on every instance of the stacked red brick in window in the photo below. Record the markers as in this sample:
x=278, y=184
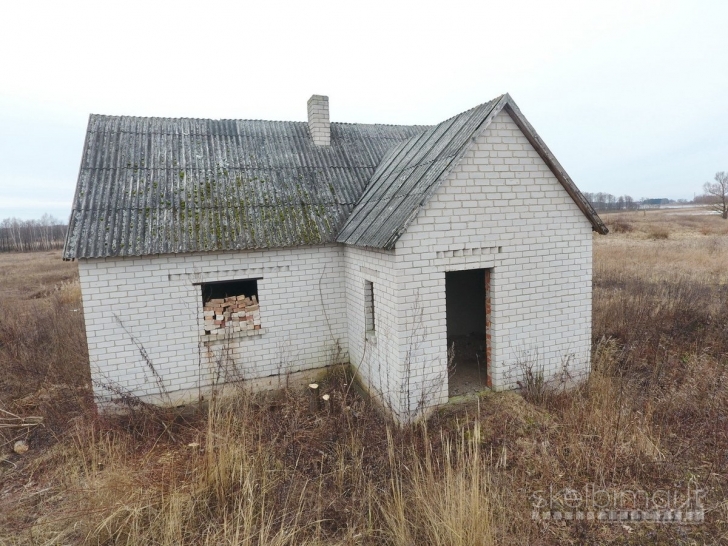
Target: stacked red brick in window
x=232, y=314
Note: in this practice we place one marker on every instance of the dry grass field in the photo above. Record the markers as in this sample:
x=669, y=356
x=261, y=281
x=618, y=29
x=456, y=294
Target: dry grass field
x=653, y=417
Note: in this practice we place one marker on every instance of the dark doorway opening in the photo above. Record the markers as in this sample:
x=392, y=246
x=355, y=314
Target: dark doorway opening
x=467, y=320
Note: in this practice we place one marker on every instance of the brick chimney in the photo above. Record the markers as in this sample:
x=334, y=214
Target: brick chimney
x=318, y=120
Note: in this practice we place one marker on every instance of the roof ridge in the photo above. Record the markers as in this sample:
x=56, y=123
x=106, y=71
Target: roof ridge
x=181, y=118
x=381, y=124
x=156, y=185
x=495, y=100
x=186, y=118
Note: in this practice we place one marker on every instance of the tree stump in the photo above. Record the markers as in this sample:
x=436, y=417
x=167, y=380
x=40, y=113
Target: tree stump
x=314, y=403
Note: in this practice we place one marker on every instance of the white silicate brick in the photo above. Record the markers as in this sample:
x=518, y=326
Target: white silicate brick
x=299, y=329
x=540, y=281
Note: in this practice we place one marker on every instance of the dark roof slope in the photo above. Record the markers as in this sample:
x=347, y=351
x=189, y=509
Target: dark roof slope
x=409, y=175
x=154, y=185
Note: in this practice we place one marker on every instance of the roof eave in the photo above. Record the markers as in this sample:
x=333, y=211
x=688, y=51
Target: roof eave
x=70, y=246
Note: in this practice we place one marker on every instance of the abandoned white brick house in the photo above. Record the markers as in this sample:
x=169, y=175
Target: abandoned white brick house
x=290, y=245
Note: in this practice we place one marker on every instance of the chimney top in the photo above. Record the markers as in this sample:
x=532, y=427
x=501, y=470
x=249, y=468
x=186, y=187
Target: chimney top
x=318, y=120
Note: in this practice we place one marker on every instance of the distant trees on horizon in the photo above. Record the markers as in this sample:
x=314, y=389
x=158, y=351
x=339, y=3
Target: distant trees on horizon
x=608, y=202
x=715, y=196
x=17, y=235
x=49, y=233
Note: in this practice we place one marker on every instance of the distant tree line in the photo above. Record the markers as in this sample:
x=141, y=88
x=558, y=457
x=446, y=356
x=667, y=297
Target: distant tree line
x=607, y=201
x=715, y=196
x=16, y=235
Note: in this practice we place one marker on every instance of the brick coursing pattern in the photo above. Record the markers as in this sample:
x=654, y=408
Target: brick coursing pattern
x=375, y=359
x=501, y=197
x=121, y=299
x=232, y=314
x=318, y=120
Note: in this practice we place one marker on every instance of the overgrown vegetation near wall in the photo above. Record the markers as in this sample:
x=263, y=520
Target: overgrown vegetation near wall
x=653, y=416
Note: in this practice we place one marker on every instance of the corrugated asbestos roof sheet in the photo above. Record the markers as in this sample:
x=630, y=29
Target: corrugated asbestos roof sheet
x=406, y=178
x=159, y=186
x=156, y=186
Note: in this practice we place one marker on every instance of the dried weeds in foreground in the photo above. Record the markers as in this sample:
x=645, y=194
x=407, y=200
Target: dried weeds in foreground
x=251, y=470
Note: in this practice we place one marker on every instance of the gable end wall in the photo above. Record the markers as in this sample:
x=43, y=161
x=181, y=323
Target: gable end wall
x=501, y=208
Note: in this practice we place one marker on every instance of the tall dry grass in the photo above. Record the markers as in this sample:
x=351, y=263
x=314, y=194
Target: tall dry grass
x=440, y=496
x=243, y=473
x=250, y=469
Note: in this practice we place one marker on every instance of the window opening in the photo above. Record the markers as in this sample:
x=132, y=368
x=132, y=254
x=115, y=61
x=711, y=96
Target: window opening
x=369, y=306
x=231, y=306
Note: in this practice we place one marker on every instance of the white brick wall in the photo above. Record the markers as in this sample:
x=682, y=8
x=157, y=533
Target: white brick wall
x=159, y=309
x=500, y=208
x=376, y=359
x=318, y=120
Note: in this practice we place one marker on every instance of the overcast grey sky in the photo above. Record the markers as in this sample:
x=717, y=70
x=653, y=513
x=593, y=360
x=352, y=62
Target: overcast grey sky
x=632, y=97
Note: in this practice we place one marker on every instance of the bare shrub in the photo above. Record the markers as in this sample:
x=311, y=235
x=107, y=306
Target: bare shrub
x=620, y=225
x=533, y=383
x=657, y=233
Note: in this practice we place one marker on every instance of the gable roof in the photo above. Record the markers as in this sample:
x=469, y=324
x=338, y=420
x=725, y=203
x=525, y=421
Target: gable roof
x=409, y=175
x=157, y=185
